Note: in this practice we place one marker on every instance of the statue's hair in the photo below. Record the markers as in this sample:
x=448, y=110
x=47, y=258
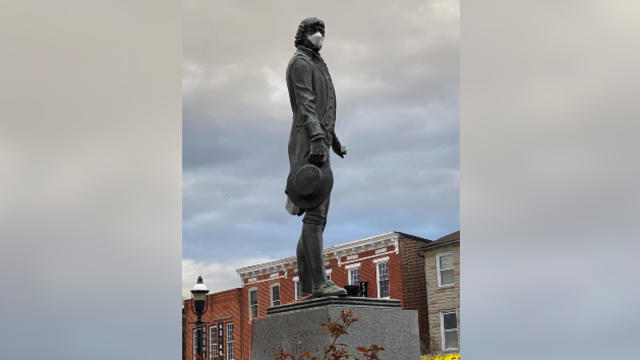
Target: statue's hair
x=305, y=26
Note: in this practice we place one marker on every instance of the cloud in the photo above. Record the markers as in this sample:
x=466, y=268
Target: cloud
x=218, y=276
x=395, y=69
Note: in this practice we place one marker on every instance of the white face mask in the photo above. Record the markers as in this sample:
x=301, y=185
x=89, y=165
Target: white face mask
x=316, y=39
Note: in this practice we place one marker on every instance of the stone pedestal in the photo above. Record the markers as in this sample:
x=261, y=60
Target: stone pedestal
x=297, y=327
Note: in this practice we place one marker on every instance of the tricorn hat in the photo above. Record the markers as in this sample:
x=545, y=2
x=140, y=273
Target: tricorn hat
x=308, y=185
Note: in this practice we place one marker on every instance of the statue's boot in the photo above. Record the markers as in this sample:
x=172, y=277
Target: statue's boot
x=329, y=289
x=312, y=243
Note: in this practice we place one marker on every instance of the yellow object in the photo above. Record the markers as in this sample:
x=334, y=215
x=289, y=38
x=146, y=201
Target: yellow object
x=441, y=357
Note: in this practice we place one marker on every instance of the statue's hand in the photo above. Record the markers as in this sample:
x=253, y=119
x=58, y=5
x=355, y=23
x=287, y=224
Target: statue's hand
x=317, y=151
x=339, y=149
x=343, y=151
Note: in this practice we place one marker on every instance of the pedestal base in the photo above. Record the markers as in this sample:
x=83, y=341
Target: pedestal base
x=297, y=327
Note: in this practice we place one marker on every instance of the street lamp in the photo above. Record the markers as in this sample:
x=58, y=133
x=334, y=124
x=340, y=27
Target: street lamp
x=199, y=294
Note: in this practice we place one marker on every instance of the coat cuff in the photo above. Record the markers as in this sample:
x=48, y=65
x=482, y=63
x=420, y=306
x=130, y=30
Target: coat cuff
x=336, y=145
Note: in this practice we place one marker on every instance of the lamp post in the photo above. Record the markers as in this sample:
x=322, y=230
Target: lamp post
x=199, y=294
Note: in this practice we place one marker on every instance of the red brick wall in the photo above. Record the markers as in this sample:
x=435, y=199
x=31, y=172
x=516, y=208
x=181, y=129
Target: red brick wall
x=263, y=285
x=367, y=268
x=339, y=275
x=415, y=289
x=184, y=339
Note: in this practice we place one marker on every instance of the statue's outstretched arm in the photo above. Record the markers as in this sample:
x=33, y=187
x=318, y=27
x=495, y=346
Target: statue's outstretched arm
x=337, y=147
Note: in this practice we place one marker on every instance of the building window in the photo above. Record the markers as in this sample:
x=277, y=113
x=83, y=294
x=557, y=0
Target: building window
x=354, y=276
x=195, y=343
x=383, y=280
x=382, y=275
x=203, y=340
x=297, y=289
x=229, y=341
x=253, y=303
x=444, y=264
x=328, y=274
x=449, y=330
x=275, y=295
x=213, y=341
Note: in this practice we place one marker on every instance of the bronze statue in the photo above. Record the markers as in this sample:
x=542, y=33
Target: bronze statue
x=313, y=103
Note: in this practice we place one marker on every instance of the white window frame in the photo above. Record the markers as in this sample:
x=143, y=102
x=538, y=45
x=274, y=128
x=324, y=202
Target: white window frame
x=195, y=343
x=251, y=317
x=350, y=269
x=442, y=330
x=357, y=270
x=213, y=340
x=195, y=339
x=438, y=269
x=296, y=281
x=230, y=354
x=279, y=293
x=378, y=262
x=328, y=272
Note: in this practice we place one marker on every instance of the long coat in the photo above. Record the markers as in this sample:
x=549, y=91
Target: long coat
x=313, y=102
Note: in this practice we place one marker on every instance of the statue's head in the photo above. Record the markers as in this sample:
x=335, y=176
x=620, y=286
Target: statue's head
x=310, y=33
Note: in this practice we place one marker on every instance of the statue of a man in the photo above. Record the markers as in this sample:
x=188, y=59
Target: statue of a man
x=313, y=102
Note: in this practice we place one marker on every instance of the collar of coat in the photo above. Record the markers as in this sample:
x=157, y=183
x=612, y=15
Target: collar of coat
x=309, y=52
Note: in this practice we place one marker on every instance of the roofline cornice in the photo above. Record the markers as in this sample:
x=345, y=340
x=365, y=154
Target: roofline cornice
x=336, y=251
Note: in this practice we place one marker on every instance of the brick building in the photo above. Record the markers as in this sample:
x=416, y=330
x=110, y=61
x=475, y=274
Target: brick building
x=391, y=264
x=442, y=269
x=223, y=322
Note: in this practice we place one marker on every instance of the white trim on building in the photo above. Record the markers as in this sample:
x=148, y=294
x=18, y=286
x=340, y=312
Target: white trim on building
x=296, y=287
x=213, y=341
x=230, y=354
x=382, y=260
x=378, y=263
x=333, y=252
x=251, y=316
x=271, y=294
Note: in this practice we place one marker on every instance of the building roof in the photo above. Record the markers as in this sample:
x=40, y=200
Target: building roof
x=413, y=237
x=448, y=239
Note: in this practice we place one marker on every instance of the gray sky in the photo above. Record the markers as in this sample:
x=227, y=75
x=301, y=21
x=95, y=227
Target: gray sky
x=395, y=70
